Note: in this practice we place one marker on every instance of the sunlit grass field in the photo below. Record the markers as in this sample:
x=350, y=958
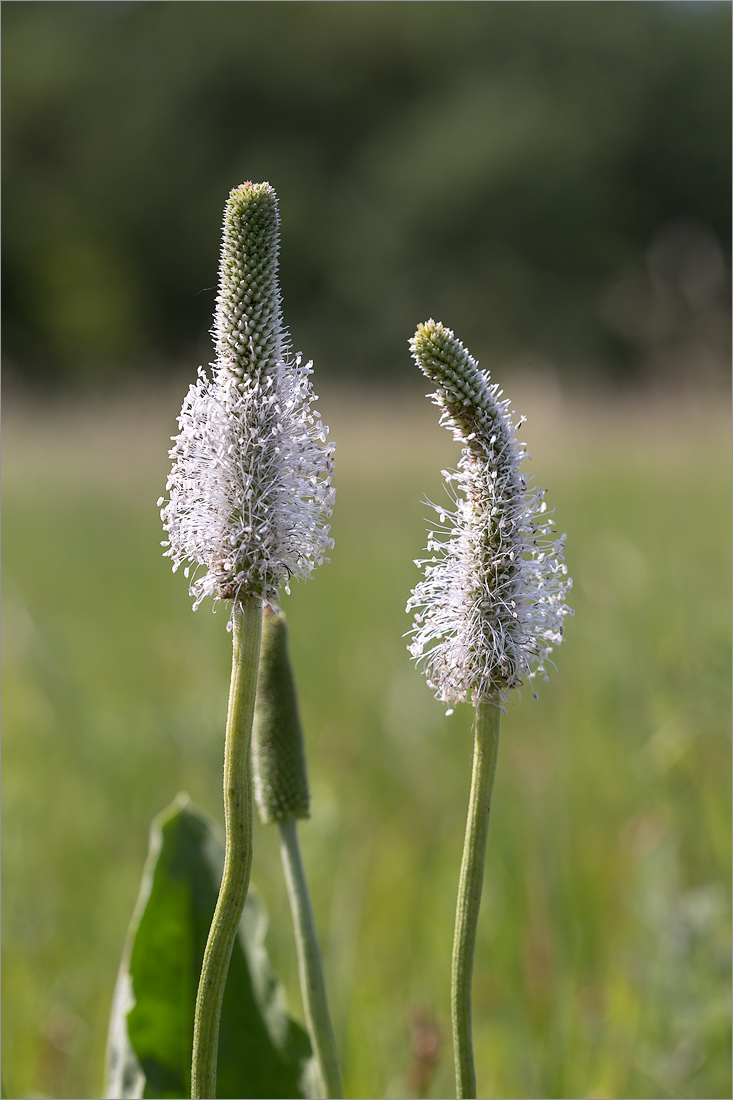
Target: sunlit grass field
x=603, y=959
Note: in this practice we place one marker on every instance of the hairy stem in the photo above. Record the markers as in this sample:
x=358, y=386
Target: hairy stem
x=486, y=747
x=310, y=965
x=247, y=626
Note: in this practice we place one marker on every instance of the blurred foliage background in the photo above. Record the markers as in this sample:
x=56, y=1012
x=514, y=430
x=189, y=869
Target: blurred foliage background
x=553, y=181
x=603, y=960
x=554, y=178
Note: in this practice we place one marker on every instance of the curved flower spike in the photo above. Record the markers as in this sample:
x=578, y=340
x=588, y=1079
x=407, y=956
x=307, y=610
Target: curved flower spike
x=250, y=489
x=492, y=602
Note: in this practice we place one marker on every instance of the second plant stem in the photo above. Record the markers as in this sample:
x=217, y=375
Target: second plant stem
x=246, y=629
x=310, y=965
x=486, y=747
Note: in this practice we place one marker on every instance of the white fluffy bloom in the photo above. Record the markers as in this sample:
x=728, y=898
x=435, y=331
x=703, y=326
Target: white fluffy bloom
x=250, y=489
x=491, y=605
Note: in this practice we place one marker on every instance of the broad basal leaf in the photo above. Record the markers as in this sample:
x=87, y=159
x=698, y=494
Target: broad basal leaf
x=263, y=1052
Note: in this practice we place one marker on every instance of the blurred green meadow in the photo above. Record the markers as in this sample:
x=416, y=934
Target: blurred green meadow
x=603, y=958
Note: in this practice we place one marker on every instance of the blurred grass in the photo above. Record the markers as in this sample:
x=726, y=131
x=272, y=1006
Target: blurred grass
x=603, y=958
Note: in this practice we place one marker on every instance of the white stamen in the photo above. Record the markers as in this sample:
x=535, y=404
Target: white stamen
x=250, y=489
x=490, y=607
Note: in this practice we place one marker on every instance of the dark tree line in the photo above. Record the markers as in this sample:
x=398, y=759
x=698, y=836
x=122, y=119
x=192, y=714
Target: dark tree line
x=550, y=179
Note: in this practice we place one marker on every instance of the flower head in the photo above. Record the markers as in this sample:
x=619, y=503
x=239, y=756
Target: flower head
x=491, y=605
x=250, y=489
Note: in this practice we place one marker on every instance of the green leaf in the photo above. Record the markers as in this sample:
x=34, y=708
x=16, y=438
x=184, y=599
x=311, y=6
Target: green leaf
x=263, y=1052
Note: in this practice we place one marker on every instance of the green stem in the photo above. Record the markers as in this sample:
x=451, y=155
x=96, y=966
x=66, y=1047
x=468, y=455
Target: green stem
x=310, y=965
x=486, y=747
x=247, y=626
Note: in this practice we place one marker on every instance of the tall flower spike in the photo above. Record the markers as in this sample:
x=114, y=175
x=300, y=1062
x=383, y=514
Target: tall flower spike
x=249, y=493
x=491, y=605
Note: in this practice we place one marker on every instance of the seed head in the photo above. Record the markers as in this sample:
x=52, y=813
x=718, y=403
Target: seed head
x=249, y=491
x=492, y=602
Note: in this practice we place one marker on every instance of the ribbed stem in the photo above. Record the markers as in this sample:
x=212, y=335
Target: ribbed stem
x=310, y=965
x=247, y=626
x=486, y=747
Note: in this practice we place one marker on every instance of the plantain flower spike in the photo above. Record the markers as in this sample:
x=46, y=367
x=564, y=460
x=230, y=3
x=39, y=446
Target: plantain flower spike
x=278, y=747
x=249, y=493
x=491, y=604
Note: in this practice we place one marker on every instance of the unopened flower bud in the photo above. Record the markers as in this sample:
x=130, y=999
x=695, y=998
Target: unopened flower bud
x=278, y=751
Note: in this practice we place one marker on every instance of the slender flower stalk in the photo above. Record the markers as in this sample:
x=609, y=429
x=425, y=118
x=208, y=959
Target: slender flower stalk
x=488, y=611
x=310, y=964
x=486, y=749
x=249, y=496
x=282, y=795
x=247, y=620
